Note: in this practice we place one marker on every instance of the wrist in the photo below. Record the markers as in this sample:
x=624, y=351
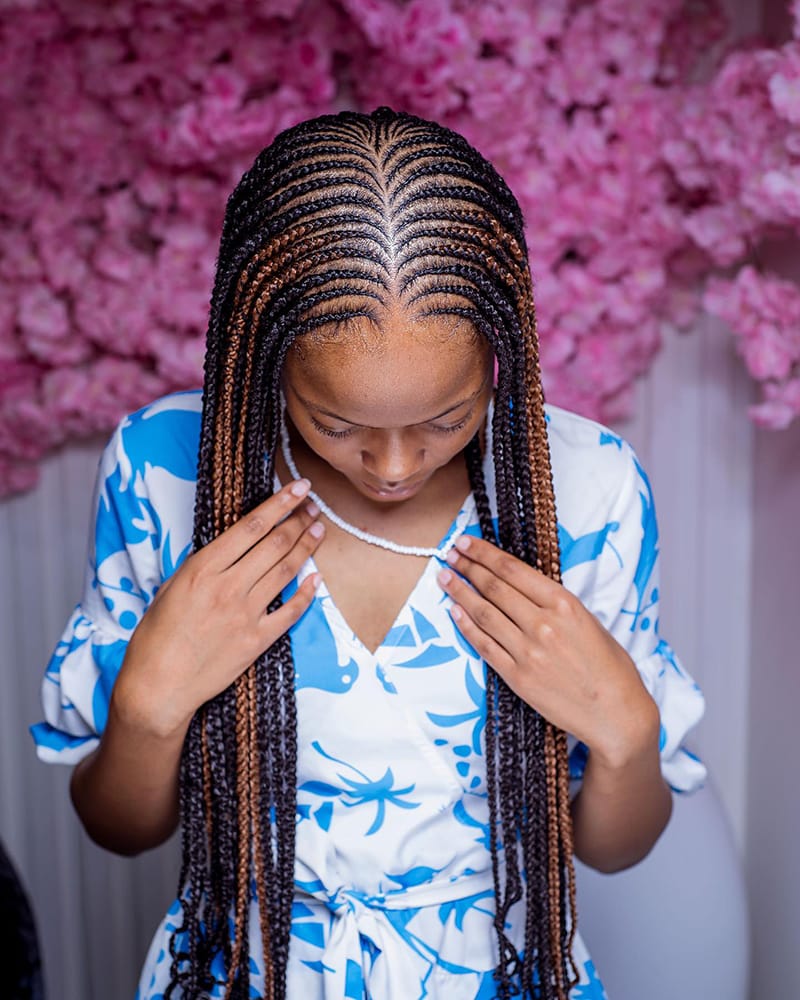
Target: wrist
x=137, y=706
x=633, y=738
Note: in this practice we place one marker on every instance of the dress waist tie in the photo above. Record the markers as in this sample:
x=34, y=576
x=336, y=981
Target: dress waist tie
x=370, y=950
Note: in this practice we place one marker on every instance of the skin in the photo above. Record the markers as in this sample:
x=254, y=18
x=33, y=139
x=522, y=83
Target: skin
x=378, y=422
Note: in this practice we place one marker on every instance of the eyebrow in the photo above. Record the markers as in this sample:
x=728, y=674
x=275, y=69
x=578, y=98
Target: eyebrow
x=344, y=420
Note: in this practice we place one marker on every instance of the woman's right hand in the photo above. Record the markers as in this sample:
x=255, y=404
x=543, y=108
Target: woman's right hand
x=209, y=621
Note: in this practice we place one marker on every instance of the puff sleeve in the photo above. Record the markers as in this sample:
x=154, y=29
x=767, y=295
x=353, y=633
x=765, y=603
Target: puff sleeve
x=610, y=560
x=141, y=530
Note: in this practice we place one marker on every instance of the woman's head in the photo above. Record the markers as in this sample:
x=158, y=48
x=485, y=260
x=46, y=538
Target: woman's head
x=371, y=270
x=352, y=227
x=387, y=403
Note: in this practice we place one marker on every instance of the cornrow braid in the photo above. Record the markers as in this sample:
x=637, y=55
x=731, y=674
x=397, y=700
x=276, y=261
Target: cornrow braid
x=342, y=217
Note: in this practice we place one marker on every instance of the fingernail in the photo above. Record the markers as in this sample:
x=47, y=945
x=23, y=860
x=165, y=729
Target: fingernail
x=463, y=543
x=317, y=580
x=445, y=576
x=300, y=487
x=312, y=508
x=456, y=612
x=317, y=529
x=452, y=557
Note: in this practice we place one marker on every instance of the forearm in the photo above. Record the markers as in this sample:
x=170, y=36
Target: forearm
x=126, y=792
x=623, y=805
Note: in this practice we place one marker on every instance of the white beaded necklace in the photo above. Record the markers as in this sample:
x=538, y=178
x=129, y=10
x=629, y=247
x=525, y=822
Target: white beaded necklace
x=384, y=543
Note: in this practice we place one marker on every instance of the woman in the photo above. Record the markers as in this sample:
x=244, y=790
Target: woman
x=355, y=692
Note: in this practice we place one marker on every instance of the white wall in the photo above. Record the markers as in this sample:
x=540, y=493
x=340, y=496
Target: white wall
x=773, y=855
x=694, y=437
x=773, y=803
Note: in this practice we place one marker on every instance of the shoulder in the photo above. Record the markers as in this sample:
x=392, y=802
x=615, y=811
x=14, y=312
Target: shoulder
x=163, y=436
x=575, y=440
x=144, y=500
x=594, y=468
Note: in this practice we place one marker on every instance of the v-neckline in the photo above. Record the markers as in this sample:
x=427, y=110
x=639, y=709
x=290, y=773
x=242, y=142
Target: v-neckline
x=334, y=614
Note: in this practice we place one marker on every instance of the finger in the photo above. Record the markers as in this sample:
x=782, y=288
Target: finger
x=272, y=582
x=276, y=545
x=232, y=544
x=526, y=579
x=515, y=605
x=276, y=623
x=486, y=647
x=490, y=619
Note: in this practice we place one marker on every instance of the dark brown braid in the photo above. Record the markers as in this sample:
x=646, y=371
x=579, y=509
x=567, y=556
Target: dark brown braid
x=342, y=217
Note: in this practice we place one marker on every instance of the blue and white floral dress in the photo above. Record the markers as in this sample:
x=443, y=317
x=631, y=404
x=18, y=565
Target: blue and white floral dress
x=393, y=887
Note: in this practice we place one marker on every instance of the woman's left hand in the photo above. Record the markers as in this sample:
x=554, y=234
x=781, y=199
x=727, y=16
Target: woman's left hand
x=550, y=650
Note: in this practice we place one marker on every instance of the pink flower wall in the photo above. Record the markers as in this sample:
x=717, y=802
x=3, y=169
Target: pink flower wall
x=648, y=173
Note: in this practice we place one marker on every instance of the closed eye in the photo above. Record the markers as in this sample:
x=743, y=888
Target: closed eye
x=439, y=428
x=328, y=431
x=452, y=428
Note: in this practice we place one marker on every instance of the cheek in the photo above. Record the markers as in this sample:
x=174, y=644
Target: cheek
x=441, y=448
x=335, y=451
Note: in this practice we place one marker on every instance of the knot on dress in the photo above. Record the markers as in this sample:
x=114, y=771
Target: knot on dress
x=370, y=949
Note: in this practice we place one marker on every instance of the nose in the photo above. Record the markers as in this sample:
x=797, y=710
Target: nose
x=393, y=457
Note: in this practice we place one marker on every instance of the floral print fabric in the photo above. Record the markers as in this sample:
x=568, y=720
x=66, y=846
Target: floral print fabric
x=393, y=887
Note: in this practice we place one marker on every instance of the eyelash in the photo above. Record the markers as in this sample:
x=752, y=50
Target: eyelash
x=328, y=432
x=451, y=429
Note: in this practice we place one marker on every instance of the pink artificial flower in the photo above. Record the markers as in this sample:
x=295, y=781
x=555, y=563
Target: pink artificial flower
x=779, y=193
x=684, y=157
x=10, y=347
x=780, y=407
x=784, y=85
x=122, y=211
x=588, y=141
x=63, y=263
x=764, y=314
x=557, y=345
x=691, y=32
x=491, y=85
x=45, y=328
x=19, y=261
x=115, y=259
x=116, y=317
x=636, y=177
x=224, y=86
x=180, y=360
x=518, y=36
x=153, y=188
x=720, y=230
x=645, y=280
x=625, y=309
x=27, y=429
x=373, y=18
x=766, y=351
x=14, y=372
x=93, y=399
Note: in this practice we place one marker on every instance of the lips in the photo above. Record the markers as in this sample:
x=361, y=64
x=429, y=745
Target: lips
x=393, y=492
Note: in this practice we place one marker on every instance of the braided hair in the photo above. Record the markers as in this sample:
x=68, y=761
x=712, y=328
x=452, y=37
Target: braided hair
x=340, y=217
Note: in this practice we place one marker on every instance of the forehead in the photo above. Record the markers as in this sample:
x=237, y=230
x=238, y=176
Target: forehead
x=400, y=372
